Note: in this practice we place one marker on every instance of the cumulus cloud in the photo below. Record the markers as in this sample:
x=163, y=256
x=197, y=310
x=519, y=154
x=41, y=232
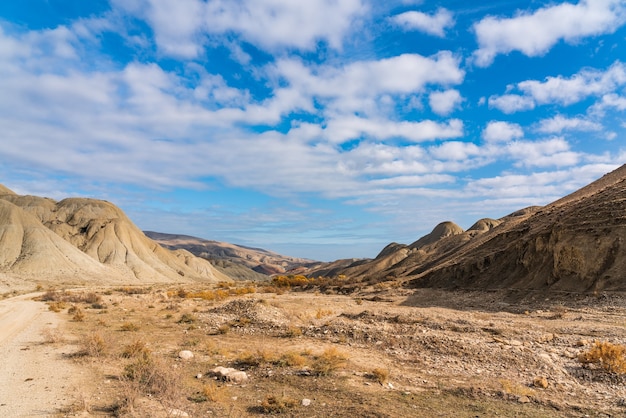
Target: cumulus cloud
x=535, y=33
x=181, y=26
x=560, y=123
x=498, y=131
x=608, y=101
x=444, y=102
x=561, y=90
x=511, y=103
x=346, y=128
x=455, y=150
x=551, y=152
x=435, y=24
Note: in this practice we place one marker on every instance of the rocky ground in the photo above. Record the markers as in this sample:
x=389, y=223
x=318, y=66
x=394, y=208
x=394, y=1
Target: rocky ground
x=380, y=353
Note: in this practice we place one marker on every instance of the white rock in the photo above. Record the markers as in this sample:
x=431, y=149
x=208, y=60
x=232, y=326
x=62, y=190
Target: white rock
x=185, y=355
x=177, y=413
x=306, y=402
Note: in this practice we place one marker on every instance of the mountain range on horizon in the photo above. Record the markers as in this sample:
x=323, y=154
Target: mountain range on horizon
x=575, y=244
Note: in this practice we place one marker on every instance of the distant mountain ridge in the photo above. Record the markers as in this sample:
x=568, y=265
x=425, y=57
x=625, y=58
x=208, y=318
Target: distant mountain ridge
x=236, y=260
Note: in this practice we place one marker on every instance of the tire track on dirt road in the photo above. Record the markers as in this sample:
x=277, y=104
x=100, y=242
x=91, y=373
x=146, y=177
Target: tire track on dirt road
x=36, y=379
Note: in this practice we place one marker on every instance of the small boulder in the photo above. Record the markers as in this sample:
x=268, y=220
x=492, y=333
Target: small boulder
x=185, y=355
x=306, y=402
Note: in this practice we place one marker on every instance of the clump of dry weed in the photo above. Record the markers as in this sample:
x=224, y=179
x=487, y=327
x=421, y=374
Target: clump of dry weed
x=273, y=404
x=610, y=357
x=329, y=361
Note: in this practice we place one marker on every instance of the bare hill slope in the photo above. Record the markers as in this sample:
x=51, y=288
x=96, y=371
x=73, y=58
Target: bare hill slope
x=228, y=256
x=577, y=243
x=89, y=237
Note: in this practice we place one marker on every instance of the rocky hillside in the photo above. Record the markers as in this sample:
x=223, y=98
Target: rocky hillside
x=577, y=244
x=235, y=260
x=78, y=241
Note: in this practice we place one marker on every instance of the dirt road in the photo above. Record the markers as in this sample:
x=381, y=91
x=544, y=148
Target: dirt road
x=36, y=379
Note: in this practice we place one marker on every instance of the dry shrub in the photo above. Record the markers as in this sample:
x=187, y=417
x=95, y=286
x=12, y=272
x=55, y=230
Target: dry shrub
x=79, y=314
x=380, y=375
x=56, y=306
x=516, y=389
x=292, y=359
x=223, y=329
x=210, y=392
x=329, y=361
x=321, y=313
x=187, y=318
x=293, y=331
x=52, y=335
x=129, y=326
x=137, y=348
x=248, y=359
x=610, y=357
x=277, y=404
x=94, y=345
x=151, y=375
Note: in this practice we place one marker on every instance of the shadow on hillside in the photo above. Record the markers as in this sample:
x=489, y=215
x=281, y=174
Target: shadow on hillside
x=510, y=300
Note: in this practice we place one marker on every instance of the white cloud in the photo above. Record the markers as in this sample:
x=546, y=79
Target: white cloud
x=565, y=91
x=346, y=128
x=511, y=103
x=533, y=34
x=181, y=26
x=559, y=123
x=498, y=131
x=455, y=150
x=444, y=102
x=364, y=86
x=435, y=24
x=562, y=90
x=551, y=152
x=608, y=101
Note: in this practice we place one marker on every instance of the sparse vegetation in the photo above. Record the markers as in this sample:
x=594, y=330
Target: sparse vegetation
x=273, y=404
x=291, y=350
x=329, y=362
x=609, y=357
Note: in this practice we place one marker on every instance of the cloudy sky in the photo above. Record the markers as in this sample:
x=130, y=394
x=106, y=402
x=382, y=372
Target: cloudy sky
x=322, y=128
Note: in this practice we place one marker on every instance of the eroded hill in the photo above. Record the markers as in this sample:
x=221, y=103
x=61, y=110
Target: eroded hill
x=576, y=244
x=78, y=241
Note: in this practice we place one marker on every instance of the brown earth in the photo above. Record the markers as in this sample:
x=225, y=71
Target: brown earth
x=385, y=352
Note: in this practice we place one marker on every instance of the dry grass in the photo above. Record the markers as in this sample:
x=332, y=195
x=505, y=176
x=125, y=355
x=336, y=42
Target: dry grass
x=52, y=335
x=288, y=355
x=129, y=327
x=273, y=404
x=610, y=357
x=329, y=362
x=94, y=345
x=380, y=375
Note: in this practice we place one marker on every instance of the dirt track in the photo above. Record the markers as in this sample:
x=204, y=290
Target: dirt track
x=36, y=379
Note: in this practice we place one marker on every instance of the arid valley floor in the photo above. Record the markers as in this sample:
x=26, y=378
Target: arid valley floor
x=381, y=352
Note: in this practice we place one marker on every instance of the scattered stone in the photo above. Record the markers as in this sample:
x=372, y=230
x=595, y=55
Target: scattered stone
x=306, y=402
x=185, y=355
x=177, y=413
x=229, y=374
x=581, y=343
x=199, y=376
x=523, y=399
x=541, y=382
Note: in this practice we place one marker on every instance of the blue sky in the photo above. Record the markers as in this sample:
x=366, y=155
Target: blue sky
x=323, y=129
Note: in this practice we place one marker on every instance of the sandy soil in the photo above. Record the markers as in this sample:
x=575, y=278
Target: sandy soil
x=37, y=377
